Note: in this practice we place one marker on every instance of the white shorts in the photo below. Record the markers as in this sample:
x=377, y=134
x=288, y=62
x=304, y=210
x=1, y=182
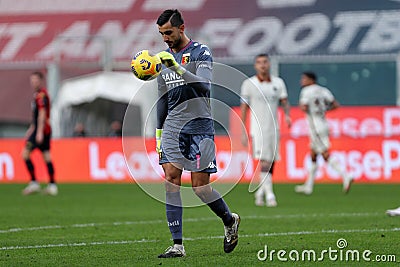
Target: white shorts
x=319, y=138
x=266, y=146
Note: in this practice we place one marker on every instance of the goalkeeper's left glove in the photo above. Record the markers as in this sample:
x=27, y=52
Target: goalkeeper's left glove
x=169, y=61
x=158, y=141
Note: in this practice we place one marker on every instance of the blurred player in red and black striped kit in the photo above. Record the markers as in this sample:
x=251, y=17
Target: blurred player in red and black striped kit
x=39, y=135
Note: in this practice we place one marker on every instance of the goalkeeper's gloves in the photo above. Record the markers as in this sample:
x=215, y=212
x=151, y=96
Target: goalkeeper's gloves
x=158, y=141
x=169, y=61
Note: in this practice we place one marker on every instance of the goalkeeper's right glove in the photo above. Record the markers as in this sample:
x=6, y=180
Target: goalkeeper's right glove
x=169, y=61
x=158, y=141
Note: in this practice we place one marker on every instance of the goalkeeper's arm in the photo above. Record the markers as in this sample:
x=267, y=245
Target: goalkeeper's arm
x=162, y=112
x=198, y=82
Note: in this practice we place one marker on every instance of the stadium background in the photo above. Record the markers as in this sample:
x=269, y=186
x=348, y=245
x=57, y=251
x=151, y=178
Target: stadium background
x=85, y=48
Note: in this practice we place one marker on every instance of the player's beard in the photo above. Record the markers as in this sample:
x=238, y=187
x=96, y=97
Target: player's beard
x=175, y=44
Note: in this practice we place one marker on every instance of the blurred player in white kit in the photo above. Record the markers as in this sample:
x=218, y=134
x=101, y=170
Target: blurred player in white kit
x=315, y=101
x=263, y=93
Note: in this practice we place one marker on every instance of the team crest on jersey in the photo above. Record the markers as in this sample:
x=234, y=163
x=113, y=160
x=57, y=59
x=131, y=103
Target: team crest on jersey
x=185, y=58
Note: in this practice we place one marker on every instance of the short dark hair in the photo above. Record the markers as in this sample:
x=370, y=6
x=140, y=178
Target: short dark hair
x=310, y=75
x=261, y=55
x=172, y=15
x=39, y=74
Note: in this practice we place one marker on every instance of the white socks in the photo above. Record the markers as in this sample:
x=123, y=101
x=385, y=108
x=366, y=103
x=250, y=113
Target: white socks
x=265, y=188
x=335, y=165
x=314, y=167
x=311, y=175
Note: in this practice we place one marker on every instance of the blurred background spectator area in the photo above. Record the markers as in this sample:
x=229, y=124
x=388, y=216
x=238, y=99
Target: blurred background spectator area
x=85, y=51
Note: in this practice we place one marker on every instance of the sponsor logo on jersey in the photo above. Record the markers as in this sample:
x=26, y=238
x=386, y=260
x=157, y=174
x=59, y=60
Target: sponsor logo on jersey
x=172, y=79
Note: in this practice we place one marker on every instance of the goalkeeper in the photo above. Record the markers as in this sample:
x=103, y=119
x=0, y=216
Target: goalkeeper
x=185, y=129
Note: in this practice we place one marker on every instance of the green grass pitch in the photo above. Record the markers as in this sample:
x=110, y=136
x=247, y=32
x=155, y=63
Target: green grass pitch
x=120, y=225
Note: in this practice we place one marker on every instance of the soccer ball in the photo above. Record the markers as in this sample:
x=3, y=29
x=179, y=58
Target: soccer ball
x=145, y=65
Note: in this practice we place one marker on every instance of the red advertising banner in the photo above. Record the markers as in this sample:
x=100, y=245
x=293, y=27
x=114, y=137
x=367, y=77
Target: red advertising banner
x=86, y=160
x=365, y=140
